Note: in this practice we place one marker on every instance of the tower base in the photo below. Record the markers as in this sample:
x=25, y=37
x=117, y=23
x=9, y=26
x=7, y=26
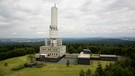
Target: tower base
x=49, y=59
x=53, y=52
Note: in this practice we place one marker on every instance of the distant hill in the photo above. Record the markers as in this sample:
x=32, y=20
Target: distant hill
x=98, y=40
x=102, y=41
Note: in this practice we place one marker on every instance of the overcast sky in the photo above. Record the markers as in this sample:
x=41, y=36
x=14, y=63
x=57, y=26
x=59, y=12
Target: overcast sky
x=76, y=18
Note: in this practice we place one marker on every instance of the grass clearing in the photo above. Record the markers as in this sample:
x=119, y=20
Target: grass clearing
x=50, y=69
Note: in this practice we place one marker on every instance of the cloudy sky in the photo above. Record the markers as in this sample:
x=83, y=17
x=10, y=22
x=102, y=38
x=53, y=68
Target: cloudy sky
x=76, y=18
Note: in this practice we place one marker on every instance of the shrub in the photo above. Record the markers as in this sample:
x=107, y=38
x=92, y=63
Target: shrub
x=30, y=57
x=25, y=65
x=18, y=68
x=88, y=72
x=67, y=63
x=82, y=73
x=39, y=65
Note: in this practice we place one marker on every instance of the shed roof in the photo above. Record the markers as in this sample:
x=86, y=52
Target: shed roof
x=107, y=55
x=82, y=55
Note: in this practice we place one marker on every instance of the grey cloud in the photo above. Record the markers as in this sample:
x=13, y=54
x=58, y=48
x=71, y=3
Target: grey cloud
x=119, y=4
x=5, y=26
x=31, y=18
x=85, y=6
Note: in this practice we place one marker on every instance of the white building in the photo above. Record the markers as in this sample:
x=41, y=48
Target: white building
x=53, y=46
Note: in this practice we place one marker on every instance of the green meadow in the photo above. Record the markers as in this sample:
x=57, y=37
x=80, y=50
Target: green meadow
x=50, y=69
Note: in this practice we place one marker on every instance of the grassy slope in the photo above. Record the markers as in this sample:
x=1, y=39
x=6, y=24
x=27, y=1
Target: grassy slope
x=50, y=69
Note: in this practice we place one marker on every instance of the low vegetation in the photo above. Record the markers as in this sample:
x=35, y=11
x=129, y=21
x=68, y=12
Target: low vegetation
x=87, y=73
x=18, y=67
x=50, y=69
x=67, y=63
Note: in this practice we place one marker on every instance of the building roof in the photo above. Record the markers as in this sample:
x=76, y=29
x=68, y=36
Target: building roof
x=82, y=55
x=44, y=54
x=107, y=55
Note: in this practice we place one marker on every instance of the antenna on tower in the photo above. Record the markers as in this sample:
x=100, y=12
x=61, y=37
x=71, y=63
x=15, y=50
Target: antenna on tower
x=54, y=4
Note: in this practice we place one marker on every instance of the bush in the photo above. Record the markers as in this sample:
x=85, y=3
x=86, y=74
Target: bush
x=30, y=57
x=82, y=73
x=39, y=65
x=25, y=65
x=67, y=63
x=18, y=68
x=88, y=72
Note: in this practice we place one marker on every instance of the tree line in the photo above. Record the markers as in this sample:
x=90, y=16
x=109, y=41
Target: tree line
x=21, y=49
x=101, y=49
x=17, y=50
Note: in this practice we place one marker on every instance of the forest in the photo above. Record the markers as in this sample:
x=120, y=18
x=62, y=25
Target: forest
x=123, y=67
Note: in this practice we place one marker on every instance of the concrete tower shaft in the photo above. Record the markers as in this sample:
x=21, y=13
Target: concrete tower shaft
x=53, y=32
x=54, y=14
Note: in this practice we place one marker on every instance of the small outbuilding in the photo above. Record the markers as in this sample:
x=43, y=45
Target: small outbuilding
x=84, y=58
x=108, y=57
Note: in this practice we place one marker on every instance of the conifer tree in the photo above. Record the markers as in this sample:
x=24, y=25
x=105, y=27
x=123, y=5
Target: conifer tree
x=82, y=73
x=67, y=63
